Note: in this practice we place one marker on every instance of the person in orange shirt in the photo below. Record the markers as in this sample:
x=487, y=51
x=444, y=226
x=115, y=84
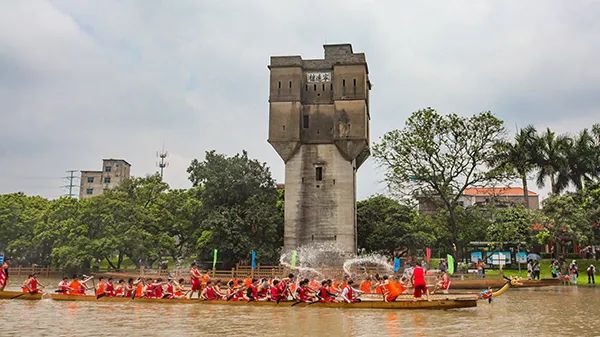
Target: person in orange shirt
x=77, y=287
x=391, y=290
x=101, y=288
x=365, y=285
x=205, y=279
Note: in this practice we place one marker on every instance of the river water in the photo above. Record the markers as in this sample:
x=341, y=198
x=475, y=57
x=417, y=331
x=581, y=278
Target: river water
x=552, y=311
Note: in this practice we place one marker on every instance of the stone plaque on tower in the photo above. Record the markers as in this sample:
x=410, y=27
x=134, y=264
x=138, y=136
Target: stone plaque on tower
x=319, y=125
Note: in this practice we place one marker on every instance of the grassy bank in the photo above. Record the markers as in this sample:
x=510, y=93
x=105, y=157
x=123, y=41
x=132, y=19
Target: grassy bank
x=545, y=271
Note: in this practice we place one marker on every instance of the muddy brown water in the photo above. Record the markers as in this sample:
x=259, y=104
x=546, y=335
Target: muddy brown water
x=549, y=311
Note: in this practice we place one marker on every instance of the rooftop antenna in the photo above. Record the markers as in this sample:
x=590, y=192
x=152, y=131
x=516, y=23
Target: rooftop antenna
x=162, y=162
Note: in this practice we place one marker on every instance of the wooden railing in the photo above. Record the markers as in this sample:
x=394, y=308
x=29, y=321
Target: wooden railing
x=239, y=271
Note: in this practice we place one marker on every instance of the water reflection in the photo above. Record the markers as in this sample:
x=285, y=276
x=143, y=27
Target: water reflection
x=526, y=312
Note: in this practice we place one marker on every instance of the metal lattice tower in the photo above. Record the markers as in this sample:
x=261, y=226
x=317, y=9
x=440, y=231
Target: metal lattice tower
x=162, y=163
x=70, y=182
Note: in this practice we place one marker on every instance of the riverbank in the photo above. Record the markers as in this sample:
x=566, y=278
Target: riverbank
x=582, y=265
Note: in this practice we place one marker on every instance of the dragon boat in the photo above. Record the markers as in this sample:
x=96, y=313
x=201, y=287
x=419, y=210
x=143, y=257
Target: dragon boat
x=439, y=302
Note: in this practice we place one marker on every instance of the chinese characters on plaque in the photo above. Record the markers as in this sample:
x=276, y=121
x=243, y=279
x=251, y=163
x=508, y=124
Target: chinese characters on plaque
x=318, y=76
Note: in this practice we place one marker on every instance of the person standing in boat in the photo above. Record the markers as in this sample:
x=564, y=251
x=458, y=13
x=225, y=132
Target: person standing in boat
x=418, y=281
x=4, y=274
x=196, y=280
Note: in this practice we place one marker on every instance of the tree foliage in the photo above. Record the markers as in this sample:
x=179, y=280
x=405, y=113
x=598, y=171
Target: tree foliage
x=438, y=156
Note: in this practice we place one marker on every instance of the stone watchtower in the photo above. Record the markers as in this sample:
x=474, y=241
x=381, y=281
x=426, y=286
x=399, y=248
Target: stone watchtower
x=319, y=125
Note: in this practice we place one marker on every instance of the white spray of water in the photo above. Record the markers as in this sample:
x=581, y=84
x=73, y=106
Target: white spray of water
x=367, y=261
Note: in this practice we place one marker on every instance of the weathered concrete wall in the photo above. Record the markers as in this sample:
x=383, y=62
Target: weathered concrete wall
x=319, y=211
x=319, y=119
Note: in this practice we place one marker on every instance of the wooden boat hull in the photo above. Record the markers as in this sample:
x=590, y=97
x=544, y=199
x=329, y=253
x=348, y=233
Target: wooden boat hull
x=18, y=295
x=437, y=302
x=404, y=302
x=498, y=283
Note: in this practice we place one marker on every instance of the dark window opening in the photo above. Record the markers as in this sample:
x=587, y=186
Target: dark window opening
x=306, y=87
x=302, y=179
x=279, y=84
x=355, y=82
x=291, y=84
x=331, y=86
x=315, y=87
x=89, y=191
x=319, y=173
x=305, y=121
x=334, y=181
x=90, y=179
x=107, y=180
x=312, y=237
x=343, y=83
x=323, y=87
x=284, y=128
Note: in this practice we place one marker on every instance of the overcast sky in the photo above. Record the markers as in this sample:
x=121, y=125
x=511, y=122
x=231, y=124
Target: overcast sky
x=85, y=80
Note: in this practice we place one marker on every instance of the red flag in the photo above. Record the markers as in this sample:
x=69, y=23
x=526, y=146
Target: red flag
x=428, y=254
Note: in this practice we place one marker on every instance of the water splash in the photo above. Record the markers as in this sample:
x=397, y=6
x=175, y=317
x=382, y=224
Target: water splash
x=316, y=260
x=367, y=261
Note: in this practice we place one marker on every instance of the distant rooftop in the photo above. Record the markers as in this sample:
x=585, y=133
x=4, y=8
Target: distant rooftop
x=112, y=159
x=496, y=191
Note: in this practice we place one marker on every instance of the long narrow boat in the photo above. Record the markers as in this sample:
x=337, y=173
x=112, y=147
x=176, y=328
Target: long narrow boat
x=498, y=282
x=404, y=302
x=18, y=295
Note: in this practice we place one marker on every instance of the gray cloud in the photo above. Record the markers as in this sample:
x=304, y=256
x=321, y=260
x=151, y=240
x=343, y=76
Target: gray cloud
x=80, y=81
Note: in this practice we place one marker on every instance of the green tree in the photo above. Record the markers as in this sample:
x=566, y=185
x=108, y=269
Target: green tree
x=512, y=225
x=20, y=215
x=384, y=225
x=239, y=208
x=438, y=156
x=567, y=221
x=551, y=160
x=518, y=156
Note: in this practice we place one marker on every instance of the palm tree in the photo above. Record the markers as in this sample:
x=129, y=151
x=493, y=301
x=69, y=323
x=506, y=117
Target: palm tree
x=551, y=160
x=581, y=164
x=518, y=156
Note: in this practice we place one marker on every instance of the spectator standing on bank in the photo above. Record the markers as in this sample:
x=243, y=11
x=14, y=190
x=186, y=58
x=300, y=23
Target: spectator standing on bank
x=574, y=272
x=591, y=270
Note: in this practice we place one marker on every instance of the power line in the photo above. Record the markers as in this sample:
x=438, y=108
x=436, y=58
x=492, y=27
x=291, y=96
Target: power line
x=71, y=182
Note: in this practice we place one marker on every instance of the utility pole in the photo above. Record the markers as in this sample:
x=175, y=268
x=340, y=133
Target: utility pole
x=162, y=162
x=71, y=182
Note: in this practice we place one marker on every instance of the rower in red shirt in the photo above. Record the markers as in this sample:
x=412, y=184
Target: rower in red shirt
x=324, y=294
x=349, y=294
x=110, y=288
x=303, y=293
x=31, y=285
x=275, y=292
x=209, y=293
x=120, y=288
x=252, y=291
x=63, y=286
x=157, y=288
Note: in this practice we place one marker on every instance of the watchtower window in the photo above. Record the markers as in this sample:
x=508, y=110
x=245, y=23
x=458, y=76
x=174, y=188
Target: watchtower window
x=306, y=87
x=343, y=83
x=355, y=82
x=319, y=173
x=331, y=86
x=305, y=121
x=315, y=87
x=323, y=87
x=279, y=84
x=291, y=84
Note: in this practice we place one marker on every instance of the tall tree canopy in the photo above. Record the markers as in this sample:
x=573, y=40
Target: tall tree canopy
x=240, y=208
x=438, y=156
